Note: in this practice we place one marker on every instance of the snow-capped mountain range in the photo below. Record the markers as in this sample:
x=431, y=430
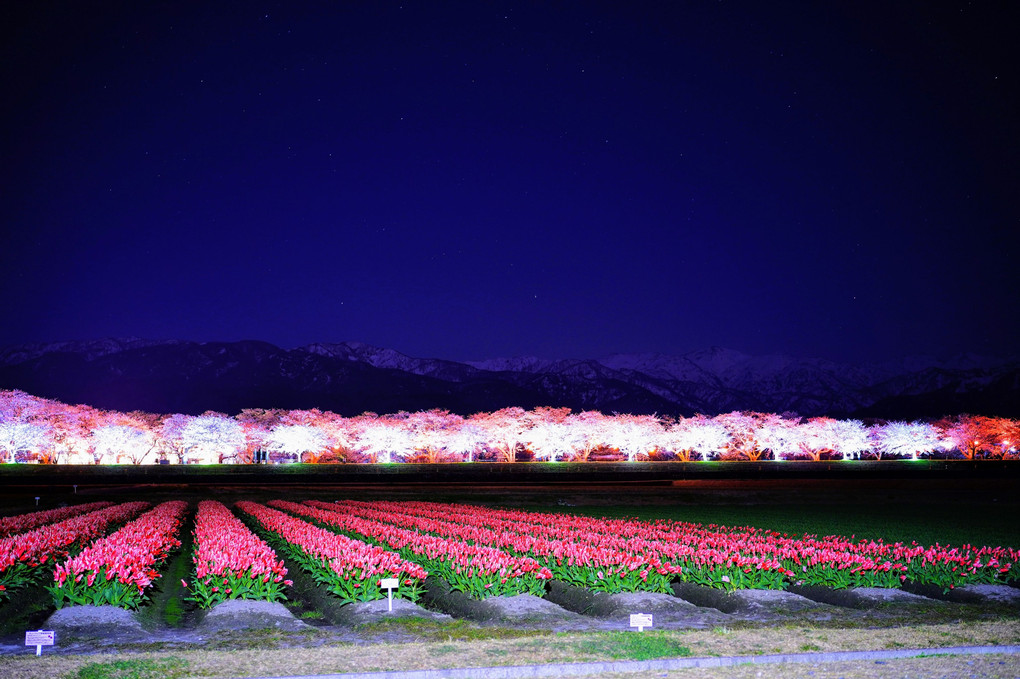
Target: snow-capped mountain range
x=350, y=378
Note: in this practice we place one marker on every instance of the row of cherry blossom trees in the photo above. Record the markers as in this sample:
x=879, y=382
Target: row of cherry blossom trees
x=33, y=429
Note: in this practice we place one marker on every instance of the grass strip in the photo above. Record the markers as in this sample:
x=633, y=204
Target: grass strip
x=555, y=648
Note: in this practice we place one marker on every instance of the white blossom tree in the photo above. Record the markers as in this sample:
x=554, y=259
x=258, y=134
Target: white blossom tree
x=114, y=443
x=633, y=435
x=743, y=429
x=697, y=435
x=906, y=439
x=384, y=440
x=585, y=432
x=296, y=439
x=213, y=438
x=851, y=438
x=783, y=437
x=465, y=441
x=21, y=437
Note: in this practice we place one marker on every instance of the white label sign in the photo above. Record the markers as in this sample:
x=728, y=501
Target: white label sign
x=389, y=584
x=641, y=621
x=39, y=638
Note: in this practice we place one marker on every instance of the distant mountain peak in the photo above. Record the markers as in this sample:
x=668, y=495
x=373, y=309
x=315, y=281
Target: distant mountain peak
x=353, y=377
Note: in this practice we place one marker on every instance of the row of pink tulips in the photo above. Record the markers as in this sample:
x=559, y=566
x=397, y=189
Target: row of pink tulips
x=22, y=554
x=231, y=562
x=116, y=570
x=712, y=556
x=350, y=569
x=12, y=525
x=478, y=570
x=731, y=558
x=599, y=568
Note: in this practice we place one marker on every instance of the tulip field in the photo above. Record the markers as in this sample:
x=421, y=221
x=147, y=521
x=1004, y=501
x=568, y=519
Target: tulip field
x=115, y=554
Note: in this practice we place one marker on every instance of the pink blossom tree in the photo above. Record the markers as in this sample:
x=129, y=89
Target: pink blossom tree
x=429, y=432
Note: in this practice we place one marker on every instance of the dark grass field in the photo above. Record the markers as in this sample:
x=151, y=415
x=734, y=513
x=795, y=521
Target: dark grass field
x=927, y=502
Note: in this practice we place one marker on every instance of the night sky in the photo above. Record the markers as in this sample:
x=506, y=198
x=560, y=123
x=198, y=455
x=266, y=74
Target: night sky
x=471, y=180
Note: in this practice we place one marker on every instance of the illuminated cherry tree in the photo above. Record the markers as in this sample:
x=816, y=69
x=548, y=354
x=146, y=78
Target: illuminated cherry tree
x=585, y=432
x=549, y=435
x=974, y=436
x=906, y=439
x=115, y=443
x=633, y=435
x=465, y=441
x=429, y=433
x=21, y=437
x=17, y=405
x=383, y=439
x=698, y=435
x=504, y=430
x=743, y=428
x=256, y=424
x=212, y=438
x=297, y=439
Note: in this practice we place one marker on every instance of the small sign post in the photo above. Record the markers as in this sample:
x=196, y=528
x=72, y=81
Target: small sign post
x=641, y=621
x=389, y=584
x=39, y=638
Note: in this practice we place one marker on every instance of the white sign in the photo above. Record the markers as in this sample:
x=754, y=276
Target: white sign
x=389, y=584
x=641, y=621
x=39, y=638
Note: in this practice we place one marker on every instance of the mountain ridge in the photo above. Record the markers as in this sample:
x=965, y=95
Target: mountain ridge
x=353, y=377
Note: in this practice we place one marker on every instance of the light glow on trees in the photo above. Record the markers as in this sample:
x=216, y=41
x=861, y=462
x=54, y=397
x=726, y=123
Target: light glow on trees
x=48, y=432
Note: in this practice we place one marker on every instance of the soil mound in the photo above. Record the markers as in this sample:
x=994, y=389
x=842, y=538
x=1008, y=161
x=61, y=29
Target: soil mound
x=522, y=610
x=243, y=614
x=859, y=597
x=367, y=612
x=754, y=604
x=618, y=607
x=78, y=626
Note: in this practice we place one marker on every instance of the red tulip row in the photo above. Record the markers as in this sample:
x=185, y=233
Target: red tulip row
x=351, y=569
x=116, y=570
x=231, y=562
x=731, y=558
x=20, y=555
x=599, y=568
x=12, y=525
x=478, y=570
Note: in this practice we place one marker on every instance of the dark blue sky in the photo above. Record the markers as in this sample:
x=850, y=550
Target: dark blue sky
x=467, y=180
